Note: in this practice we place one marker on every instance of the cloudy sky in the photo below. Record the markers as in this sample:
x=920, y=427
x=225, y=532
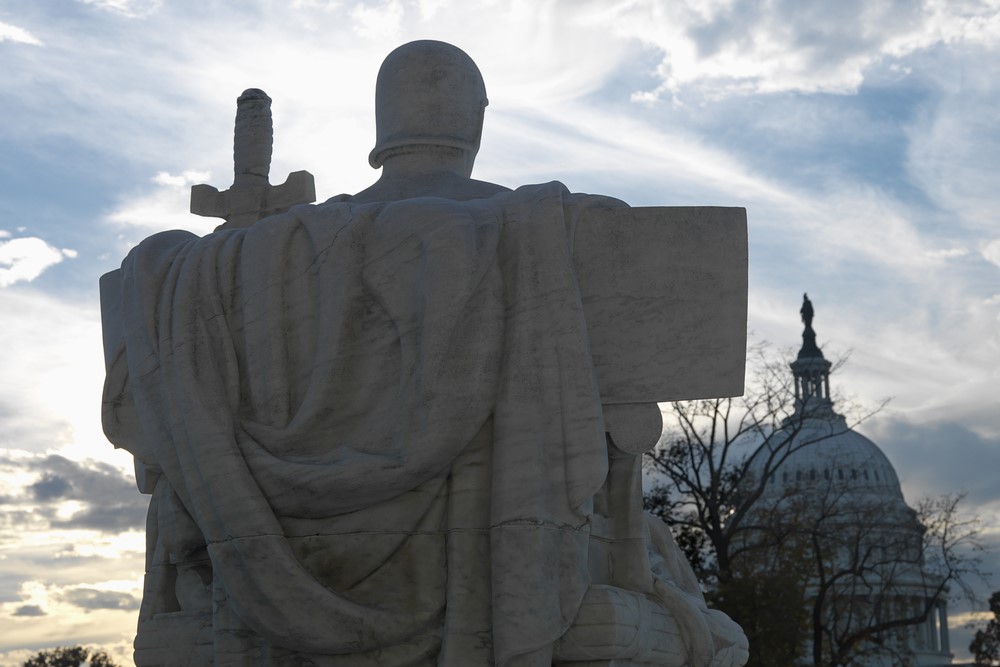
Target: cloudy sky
x=861, y=136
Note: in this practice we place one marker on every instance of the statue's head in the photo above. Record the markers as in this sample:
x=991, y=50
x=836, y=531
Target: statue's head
x=428, y=94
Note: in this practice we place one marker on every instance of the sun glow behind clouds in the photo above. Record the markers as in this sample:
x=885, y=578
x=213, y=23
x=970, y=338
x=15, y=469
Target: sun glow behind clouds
x=166, y=206
x=50, y=397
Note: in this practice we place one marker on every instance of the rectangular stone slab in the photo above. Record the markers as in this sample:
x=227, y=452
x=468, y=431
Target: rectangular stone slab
x=665, y=296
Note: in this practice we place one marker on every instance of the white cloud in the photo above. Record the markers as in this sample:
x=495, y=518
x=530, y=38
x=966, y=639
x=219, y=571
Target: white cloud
x=381, y=22
x=165, y=207
x=129, y=8
x=806, y=46
x=24, y=259
x=322, y=5
x=186, y=178
x=946, y=253
x=948, y=22
x=953, y=144
x=991, y=251
x=13, y=33
x=430, y=8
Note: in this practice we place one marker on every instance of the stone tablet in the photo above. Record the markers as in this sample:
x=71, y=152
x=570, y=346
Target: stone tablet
x=664, y=290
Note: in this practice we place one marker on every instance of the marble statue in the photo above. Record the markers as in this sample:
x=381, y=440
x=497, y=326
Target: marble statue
x=404, y=427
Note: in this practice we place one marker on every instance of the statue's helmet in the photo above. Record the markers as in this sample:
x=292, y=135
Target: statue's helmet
x=428, y=93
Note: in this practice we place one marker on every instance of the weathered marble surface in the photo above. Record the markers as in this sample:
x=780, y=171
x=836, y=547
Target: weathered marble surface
x=374, y=430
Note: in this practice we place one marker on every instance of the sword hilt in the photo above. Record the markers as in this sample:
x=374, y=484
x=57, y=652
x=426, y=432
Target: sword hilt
x=252, y=139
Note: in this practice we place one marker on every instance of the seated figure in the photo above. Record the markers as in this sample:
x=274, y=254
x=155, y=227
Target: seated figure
x=372, y=431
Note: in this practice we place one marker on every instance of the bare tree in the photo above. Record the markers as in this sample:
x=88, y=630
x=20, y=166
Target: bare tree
x=876, y=572
x=711, y=466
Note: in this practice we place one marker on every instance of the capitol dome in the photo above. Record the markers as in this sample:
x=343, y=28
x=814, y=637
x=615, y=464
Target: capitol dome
x=815, y=450
x=825, y=453
x=825, y=480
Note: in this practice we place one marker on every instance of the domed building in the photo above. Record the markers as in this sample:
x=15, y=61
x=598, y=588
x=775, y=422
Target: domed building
x=832, y=509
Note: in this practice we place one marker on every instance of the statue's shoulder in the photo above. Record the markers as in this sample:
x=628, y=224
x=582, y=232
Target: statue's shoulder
x=571, y=200
x=484, y=189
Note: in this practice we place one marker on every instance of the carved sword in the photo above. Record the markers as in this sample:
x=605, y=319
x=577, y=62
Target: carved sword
x=252, y=197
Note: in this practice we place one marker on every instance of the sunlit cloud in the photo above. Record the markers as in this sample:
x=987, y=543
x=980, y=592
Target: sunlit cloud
x=102, y=612
x=129, y=8
x=12, y=33
x=54, y=492
x=184, y=179
x=24, y=259
x=56, y=560
x=971, y=617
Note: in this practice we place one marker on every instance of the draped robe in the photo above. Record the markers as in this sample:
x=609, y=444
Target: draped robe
x=383, y=419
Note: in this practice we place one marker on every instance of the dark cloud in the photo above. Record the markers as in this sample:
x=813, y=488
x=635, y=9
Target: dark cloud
x=29, y=610
x=940, y=457
x=20, y=519
x=10, y=584
x=93, y=598
x=50, y=487
x=91, y=481
x=111, y=502
x=112, y=519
